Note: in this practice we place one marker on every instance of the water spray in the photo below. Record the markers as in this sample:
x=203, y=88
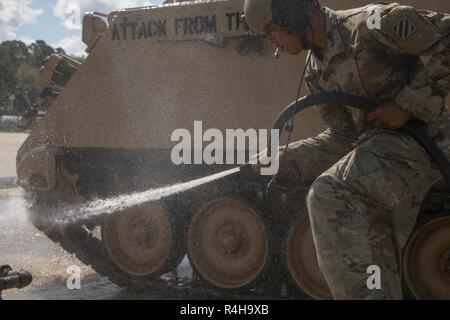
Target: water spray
x=86, y=211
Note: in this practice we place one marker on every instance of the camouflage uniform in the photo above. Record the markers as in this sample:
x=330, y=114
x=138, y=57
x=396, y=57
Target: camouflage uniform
x=364, y=206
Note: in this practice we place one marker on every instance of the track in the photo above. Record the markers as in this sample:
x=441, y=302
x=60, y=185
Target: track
x=277, y=210
x=79, y=240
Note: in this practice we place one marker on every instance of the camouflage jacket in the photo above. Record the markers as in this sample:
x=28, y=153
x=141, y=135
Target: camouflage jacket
x=383, y=63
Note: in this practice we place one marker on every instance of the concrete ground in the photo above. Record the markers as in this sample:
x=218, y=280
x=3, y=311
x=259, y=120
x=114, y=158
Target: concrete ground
x=23, y=247
x=9, y=144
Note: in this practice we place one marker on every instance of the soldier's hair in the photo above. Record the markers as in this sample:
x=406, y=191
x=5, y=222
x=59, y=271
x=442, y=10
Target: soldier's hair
x=293, y=15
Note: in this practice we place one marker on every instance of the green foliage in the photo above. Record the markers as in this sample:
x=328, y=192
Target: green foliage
x=19, y=66
x=27, y=86
x=40, y=50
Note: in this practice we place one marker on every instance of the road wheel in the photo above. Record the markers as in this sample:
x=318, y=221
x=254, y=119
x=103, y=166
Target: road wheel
x=301, y=259
x=143, y=241
x=228, y=243
x=426, y=260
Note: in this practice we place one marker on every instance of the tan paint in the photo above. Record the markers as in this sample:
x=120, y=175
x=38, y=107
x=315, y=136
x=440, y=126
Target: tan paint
x=135, y=93
x=94, y=27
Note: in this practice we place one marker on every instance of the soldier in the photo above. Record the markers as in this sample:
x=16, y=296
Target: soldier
x=370, y=180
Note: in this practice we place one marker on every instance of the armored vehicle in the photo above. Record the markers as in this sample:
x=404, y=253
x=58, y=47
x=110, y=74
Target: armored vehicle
x=107, y=131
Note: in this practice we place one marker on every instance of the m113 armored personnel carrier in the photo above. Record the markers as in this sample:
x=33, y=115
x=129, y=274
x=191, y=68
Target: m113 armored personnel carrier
x=107, y=131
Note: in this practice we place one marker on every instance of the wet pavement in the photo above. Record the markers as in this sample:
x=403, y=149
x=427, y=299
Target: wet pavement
x=23, y=247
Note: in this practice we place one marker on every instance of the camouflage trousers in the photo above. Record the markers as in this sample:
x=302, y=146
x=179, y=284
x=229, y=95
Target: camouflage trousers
x=363, y=209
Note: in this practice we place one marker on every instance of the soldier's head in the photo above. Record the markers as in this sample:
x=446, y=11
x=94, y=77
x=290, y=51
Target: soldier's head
x=287, y=23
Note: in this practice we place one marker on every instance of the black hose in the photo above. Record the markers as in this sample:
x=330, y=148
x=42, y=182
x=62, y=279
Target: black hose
x=414, y=129
x=15, y=280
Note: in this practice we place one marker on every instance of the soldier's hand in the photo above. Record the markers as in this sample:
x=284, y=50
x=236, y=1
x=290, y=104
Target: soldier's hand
x=286, y=166
x=389, y=115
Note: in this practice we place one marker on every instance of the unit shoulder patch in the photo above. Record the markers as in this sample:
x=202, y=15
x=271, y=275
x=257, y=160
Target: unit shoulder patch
x=404, y=28
x=411, y=32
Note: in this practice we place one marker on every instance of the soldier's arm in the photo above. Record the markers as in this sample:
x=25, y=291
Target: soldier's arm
x=407, y=31
x=314, y=155
x=336, y=117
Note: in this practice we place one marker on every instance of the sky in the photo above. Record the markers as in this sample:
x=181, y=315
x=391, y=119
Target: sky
x=57, y=22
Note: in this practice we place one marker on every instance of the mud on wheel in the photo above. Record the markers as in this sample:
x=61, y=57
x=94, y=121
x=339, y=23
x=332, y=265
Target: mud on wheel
x=228, y=244
x=301, y=260
x=144, y=241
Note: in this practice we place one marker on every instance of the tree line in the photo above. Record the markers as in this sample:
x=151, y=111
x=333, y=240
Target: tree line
x=19, y=70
